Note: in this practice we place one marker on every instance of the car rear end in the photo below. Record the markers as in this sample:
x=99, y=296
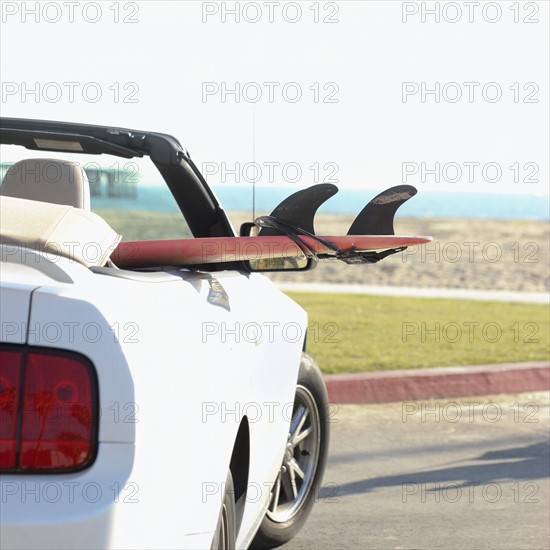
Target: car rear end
x=60, y=481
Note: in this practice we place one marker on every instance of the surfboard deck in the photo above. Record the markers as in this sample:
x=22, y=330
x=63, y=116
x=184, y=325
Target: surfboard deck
x=157, y=253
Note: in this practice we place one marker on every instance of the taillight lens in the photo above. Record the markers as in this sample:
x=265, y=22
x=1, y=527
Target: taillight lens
x=49, y=406
x=10, y=379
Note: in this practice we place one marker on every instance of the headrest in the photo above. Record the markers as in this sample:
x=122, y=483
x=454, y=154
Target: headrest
x=48, y=180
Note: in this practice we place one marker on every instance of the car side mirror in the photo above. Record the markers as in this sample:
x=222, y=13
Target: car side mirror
x=250, y=229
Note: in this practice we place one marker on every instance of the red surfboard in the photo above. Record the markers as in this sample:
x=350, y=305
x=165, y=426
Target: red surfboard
x=231, y=249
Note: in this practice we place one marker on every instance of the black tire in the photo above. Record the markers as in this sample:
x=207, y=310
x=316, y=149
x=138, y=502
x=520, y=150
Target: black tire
x=286, y=516
x=225, y=534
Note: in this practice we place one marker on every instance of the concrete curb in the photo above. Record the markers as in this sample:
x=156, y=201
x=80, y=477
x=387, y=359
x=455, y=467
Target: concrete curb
x=413, y=384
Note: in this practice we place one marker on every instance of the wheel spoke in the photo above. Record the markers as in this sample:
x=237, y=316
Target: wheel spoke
x=300, y=436
x=296, y=467
x=293, y=483
x=287, y=485
x=303, y=414
x=276, y=494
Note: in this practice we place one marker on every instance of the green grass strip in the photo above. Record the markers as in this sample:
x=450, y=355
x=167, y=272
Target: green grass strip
x=355, y=333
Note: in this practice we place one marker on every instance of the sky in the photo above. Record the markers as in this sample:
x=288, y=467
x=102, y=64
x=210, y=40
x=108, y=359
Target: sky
x=364, y=94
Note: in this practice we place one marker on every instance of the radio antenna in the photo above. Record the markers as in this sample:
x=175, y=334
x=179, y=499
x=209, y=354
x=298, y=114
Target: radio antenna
x=254, y=161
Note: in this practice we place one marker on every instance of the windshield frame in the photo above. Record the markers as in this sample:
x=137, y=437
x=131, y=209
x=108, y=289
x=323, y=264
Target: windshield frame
x=196, y=201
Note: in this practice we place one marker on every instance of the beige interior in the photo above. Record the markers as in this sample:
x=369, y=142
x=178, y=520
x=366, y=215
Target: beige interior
x=45, y=206
x=57, y=229
x=48, y=180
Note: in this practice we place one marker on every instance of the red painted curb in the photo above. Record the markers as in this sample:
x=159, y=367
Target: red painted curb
x=407, y=385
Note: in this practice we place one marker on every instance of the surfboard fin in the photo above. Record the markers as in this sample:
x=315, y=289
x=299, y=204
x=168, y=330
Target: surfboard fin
x=298, y=210
x=377, y=216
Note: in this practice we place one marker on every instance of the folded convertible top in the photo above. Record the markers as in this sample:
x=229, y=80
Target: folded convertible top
x=57, y=229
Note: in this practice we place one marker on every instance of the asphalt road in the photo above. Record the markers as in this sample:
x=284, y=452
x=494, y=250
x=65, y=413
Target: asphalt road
x=436, y=474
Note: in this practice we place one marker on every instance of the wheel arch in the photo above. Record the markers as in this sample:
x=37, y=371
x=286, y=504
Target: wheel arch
x=240, y=467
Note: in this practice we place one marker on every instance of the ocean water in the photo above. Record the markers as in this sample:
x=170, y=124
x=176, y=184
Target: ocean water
x=351, y=201
x=426, y=203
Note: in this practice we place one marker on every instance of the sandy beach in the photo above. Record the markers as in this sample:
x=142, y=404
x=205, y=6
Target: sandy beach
x=465, y=254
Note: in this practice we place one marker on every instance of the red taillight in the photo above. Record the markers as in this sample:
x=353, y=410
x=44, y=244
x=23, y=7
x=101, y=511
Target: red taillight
x=48, y=403
x=10, y=383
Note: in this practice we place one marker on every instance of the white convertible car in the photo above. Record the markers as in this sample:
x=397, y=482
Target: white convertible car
x=152, y=407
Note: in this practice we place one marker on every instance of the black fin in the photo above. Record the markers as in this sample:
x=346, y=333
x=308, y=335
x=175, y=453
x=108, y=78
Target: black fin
x=299, y=208
x=377, y=217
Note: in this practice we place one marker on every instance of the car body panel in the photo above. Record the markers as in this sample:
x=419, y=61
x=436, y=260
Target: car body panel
x=176, y=375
